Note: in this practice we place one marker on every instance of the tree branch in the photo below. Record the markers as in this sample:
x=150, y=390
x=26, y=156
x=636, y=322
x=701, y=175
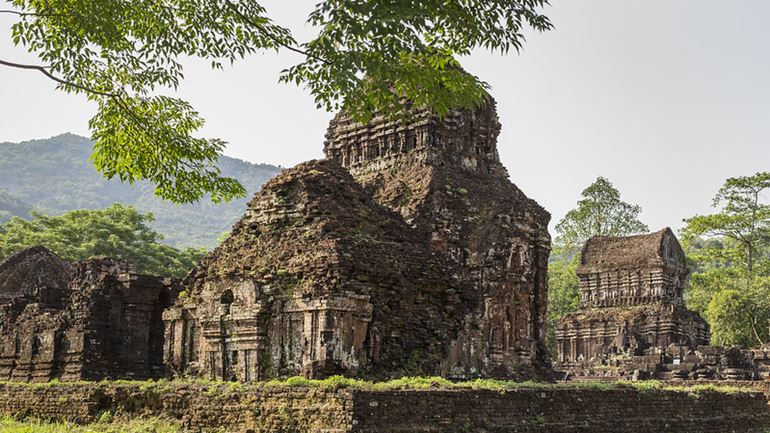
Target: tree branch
x=44, y=71
x=116, y=97
x=25, y=14
x=251, y=22
x=6, y=11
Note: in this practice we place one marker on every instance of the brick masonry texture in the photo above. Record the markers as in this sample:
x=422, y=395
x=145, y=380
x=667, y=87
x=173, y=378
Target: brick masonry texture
x=445, y=178
x=92, y=319
x=259, y=409
x=406, y=252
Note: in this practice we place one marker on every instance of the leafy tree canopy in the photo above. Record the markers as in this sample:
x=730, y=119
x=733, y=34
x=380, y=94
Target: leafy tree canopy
x=117, y=231
x=368, y=56
x=600, y=212
x=744, y=216
x=729, y=254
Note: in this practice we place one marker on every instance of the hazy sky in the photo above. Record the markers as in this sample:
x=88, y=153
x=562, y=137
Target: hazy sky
x=665, y=98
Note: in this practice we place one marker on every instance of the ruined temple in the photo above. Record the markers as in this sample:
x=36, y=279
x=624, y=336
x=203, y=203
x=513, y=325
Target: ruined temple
x=631, y=315
x=406, y=251
x=93, y=319
x=445, y=178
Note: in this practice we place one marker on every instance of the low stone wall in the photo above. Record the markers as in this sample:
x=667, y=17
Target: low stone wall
x=560, y=411
x=258, y=409
x=200, y=408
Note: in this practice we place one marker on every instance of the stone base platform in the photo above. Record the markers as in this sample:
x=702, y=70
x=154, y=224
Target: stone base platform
x=301, y=409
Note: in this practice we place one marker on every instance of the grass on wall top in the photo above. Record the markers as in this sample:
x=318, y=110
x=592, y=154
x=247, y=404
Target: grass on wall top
x=404, y=383
x=106, y=424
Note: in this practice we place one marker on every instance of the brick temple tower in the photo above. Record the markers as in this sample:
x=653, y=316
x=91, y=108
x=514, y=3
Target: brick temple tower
x=85, y=320
x=445, y=178
x=407, y=252
x=631, y=306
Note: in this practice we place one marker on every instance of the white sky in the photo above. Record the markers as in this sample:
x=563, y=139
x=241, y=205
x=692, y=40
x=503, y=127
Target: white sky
x=666, y=98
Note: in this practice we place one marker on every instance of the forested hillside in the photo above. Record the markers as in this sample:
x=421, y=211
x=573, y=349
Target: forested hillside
x=55, y=175
x=11, y=206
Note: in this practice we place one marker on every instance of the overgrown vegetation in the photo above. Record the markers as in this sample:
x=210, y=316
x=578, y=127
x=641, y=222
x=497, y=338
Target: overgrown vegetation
x=729, y=255
x=117, y=231
x=215, y=387
x=118, y=423
x=106, y=424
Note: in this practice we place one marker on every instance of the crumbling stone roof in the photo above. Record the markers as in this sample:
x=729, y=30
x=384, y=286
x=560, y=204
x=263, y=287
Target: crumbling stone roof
x=28, y=271
x=629, y=252
x=314, y=229
x=313, y=233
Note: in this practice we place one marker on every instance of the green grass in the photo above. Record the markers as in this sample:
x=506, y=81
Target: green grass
x=106, y=424
x=403, y=383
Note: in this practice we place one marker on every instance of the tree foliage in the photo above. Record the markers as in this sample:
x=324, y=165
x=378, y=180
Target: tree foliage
x=729, y=254
x=368, y=56
x=563, y=290
x=599, y=212
x=117, y=231
x=744, y=216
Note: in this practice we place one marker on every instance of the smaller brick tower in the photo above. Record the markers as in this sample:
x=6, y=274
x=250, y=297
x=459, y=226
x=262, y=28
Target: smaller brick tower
x=631, y=306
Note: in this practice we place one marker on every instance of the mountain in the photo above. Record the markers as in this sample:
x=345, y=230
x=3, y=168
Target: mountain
x=54, y=175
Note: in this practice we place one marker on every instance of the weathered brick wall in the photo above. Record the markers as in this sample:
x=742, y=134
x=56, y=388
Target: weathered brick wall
x=91, y=319
x=200, y=408
x=72, y=403
x=559, y=411
x=260, y=409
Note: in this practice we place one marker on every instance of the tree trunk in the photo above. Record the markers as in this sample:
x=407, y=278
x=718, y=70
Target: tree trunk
x=754, y=329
